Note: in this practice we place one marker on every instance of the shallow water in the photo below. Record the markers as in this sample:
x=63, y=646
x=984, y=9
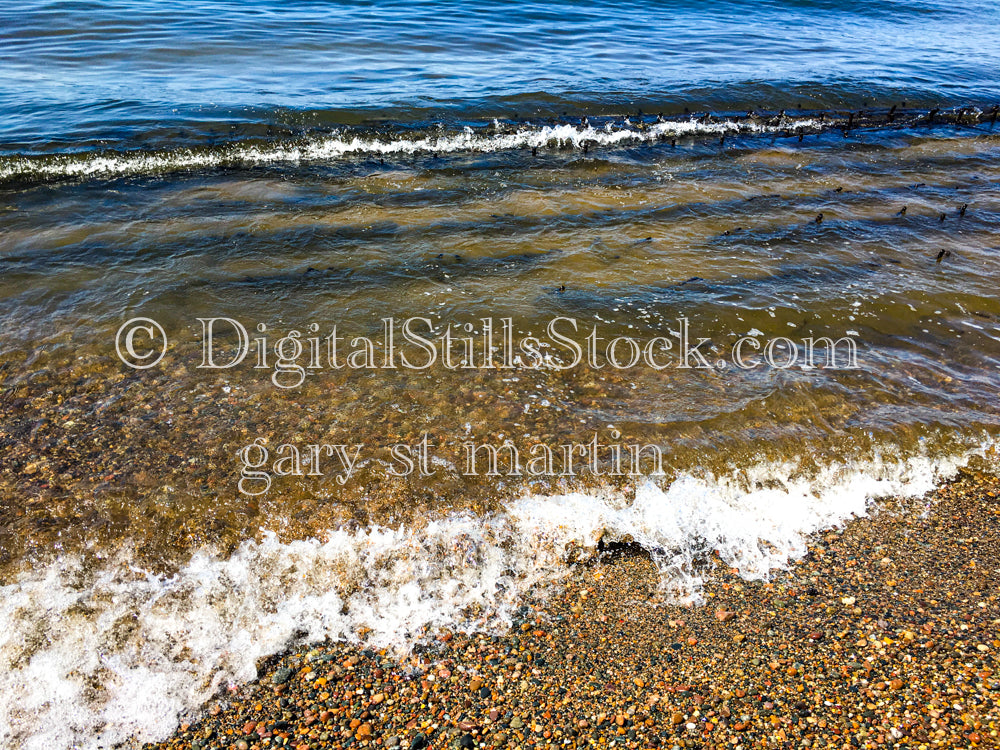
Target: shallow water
x=636, y=241
x=335, y=165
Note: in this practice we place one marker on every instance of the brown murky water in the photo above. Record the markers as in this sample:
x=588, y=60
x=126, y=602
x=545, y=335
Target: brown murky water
x=632, y=239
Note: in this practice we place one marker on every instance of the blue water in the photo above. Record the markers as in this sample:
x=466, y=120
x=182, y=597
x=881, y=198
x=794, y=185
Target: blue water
x=78, y=74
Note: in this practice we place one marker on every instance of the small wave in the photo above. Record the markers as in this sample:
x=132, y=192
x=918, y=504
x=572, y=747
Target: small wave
x=602, y=131
x=90, y=658
x=317, y=149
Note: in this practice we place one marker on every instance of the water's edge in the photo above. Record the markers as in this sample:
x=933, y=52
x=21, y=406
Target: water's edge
x=93, y=657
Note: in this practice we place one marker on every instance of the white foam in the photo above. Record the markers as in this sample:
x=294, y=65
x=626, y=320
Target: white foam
x=90, y=658
x=338, y=145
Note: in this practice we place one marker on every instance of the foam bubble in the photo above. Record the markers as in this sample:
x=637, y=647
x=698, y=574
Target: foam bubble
x=91, y=657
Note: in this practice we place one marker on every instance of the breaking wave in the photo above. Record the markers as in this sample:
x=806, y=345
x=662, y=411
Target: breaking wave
x=93, y=657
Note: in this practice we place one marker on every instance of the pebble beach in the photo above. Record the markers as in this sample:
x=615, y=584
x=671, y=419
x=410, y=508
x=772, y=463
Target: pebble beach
x=883, y=635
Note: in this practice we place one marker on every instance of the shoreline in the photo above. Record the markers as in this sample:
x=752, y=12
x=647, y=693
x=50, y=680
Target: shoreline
x=882, y=635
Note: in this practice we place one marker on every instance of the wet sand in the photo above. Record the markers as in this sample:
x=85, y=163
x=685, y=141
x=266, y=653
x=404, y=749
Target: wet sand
x=884, y=634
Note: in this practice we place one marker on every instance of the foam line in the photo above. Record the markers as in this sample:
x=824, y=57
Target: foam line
x=336, y=146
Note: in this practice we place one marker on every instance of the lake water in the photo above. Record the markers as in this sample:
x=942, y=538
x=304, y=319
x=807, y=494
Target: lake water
x=675, y=176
